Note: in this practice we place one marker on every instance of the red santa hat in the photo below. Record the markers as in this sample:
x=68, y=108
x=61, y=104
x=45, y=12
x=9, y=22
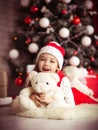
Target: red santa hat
x=54, y=49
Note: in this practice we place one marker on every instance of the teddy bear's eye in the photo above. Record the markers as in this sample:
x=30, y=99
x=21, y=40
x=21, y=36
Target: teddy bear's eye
x=47, y=83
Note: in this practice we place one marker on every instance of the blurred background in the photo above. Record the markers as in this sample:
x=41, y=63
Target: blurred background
x=27, y=25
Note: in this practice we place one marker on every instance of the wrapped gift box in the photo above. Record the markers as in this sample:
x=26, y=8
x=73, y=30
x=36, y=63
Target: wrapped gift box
x=92, y=82
x=3, y=84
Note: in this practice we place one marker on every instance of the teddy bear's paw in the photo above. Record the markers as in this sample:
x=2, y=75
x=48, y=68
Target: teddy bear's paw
x=91, y=92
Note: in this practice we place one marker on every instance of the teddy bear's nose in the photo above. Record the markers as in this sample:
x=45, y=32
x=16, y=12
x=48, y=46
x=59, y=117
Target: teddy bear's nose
x=40, y=84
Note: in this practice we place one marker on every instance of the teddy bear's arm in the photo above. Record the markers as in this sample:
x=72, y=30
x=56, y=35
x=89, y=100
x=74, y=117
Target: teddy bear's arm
x=27, y=91
x=58, y=98
x=24, y=99
x=82, y=88
x=58, y=94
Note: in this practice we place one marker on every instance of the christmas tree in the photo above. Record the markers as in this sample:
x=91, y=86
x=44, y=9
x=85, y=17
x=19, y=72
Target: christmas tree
x=69, y=22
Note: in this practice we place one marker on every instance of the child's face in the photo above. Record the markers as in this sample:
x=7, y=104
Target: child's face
x=47, y=63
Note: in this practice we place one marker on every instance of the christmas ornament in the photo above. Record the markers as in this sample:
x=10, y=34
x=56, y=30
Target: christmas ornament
x=33, y=47
x=15, y=38
x=75, y=52
x=28, y=41
x=25, y=3
x=27, y=20
x=97, y=43
x=64, y=32
x=89, y=29
x=13, y=53
x=63, y=11
x=44, y=22
x=74, y=61
x=92, y=58
x=76, y=20
x=86, y=41
x=88, y=4
x=90, y=71
x=66, y=1
x=18, y=81
x=34, y=9
x=47, y=1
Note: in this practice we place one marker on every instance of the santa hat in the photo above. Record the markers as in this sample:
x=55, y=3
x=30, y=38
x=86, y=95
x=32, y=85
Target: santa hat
x=54, y=49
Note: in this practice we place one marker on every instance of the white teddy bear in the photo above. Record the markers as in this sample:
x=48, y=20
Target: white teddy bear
x=77, y=79
x=40, y=82
x=47, y=82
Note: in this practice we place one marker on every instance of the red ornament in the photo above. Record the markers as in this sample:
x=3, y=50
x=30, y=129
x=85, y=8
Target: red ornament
x=75, y=52
x=97, y=43
x=92, y=58
x=76, y=20
x=63, y=11
x=27, y=20
x=28, y=41
x=91, y=71
x=34, y=9
x=18, y=81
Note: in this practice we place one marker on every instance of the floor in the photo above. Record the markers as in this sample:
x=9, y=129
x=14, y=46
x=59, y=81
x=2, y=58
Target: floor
x=10, y=122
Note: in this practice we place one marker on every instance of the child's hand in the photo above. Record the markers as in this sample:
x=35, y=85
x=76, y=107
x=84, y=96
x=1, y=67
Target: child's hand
x=45, y=98
x=36, y=98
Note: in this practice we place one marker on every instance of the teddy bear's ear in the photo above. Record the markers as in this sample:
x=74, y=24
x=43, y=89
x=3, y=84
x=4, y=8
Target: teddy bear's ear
x=32, y=74
x=70, y=71
x=55, y=76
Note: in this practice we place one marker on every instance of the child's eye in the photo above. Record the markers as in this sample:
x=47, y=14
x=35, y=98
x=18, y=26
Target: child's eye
x=42, y=59
x=52, y=61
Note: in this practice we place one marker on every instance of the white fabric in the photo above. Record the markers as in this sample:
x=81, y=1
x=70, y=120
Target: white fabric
x=82, y=111
x=68, y=95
